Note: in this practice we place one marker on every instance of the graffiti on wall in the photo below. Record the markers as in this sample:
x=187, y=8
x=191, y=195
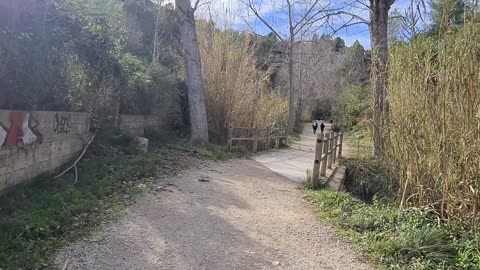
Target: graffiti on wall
x=22, y=131
x=3, y=134
x=62, y=123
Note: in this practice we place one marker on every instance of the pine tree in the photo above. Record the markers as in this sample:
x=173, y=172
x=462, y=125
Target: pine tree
x=445, y=14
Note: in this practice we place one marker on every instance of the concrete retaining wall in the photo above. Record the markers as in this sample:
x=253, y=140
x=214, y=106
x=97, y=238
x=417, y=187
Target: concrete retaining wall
x=138, y=125
x=32, y=143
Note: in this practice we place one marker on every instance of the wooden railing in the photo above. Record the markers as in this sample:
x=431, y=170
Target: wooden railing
x=328, y=150
x=271, y=133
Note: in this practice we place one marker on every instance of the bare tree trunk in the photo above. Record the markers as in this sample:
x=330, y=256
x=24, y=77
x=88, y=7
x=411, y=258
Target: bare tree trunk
x=291, y=87
x=291, y=90
x=155, y=38
x=379, y=38
x=300, y=96
x=299, y=111
x=193, y=67
x=117, y=109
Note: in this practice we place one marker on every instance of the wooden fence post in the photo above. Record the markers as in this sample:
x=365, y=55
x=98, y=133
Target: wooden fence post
x=269, y=130
x=330, y=151
x=230, y=136
x=340, y=145
x=323, y=158
x=255, y=135
x=335, y=140
x=316, y=164
x=277, y=139
x=255, y=140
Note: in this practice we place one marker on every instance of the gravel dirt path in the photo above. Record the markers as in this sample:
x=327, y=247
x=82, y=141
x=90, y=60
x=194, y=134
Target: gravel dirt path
x=240, y=215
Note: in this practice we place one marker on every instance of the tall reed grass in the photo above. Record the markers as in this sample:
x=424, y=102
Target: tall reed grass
x=236, y=91
x=434, y=124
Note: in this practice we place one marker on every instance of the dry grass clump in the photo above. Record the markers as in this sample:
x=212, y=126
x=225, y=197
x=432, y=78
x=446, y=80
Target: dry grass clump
x=434, y=97
x=236, y=91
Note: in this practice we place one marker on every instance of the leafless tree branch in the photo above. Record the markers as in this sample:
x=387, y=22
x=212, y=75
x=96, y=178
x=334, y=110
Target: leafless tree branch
x=199, y=4
x=307, y=13
x=251, y=6
x=355, y=16
x=196, y=5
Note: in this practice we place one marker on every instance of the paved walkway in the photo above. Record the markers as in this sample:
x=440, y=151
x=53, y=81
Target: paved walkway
x=294, y=161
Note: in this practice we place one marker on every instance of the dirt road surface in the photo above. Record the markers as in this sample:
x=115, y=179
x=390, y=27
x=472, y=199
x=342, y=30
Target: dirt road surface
x=222, y=215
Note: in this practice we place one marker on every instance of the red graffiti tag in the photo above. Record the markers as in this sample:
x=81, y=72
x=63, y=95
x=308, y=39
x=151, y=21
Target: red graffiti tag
x=22, y=131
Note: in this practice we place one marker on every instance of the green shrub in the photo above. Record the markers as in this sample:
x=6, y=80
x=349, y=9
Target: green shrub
x=349, y=106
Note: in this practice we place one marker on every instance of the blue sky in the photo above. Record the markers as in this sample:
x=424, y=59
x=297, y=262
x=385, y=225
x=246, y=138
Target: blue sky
x=360, y=32
x=232, y=13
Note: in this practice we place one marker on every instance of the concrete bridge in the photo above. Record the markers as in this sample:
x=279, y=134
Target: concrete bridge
x=294, y=162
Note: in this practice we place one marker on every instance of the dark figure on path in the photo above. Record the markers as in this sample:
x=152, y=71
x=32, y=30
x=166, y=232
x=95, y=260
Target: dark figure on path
x=322, y=127
x=315, y=126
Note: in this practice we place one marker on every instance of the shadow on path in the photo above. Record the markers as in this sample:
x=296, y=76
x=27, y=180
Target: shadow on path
x=244, y=217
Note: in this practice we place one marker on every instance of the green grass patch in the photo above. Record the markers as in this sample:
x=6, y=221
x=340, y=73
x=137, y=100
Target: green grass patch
x=395, y=239
x=38, y=218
